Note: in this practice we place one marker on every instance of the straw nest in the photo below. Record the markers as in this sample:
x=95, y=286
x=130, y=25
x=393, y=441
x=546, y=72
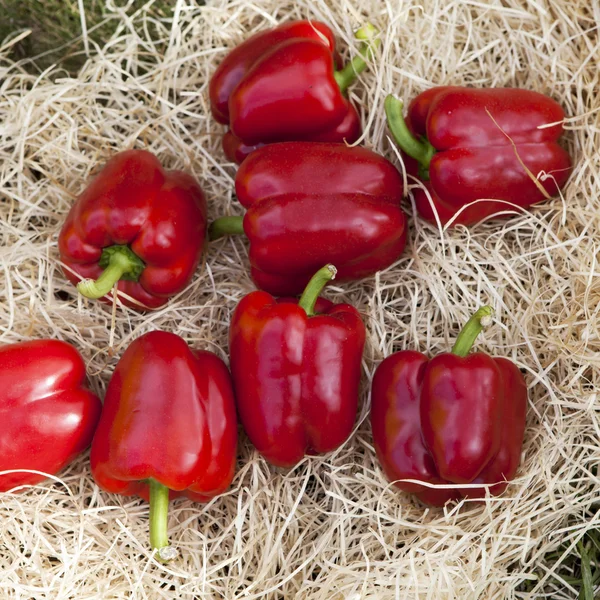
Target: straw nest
x=333, y=527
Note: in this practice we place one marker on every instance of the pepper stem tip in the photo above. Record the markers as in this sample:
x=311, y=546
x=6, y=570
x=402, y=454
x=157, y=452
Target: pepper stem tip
x=486, y=320
x=314, y=287
x=392, y=104
x=159, y=508
x=167, y=553
x=472, y=328
x=89, y=289
x=119, y=262
x=332, y=270
x=346, y=76
x=367, y=32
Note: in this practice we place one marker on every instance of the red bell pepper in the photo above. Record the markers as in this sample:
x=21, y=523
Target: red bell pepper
x=457, y=418
x=280, y=85
x=48, y=415
x=241, y=59
x=310, y=203
x=168, y=428
x=138, y=225
x=480, y=144
x=296, y=371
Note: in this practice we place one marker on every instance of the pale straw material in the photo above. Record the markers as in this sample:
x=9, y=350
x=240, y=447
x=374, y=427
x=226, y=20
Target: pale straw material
x=332, y=528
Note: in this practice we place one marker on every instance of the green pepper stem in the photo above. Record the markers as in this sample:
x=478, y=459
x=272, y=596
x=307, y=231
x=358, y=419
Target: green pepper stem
x=346, y=76
x=159, y=509
x=120, y=262
x=420, y=150
x=225, y=226
x=473, y=327
x=314, y=287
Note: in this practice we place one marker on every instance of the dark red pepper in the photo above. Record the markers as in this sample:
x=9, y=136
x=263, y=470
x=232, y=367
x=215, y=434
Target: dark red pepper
x=480, y=144
x=48, y=415
x=138, y=225
x=296, y=371
x=168, y=428
x=457, y=418
x=309, y=203
x=280, y=85
x=241, y=59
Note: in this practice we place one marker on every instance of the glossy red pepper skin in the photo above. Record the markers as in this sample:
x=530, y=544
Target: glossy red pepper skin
x=348, y=130
x=48, y=414
x=160, y=215
x=448, y=420
x=296, y=377
x=278, y=86
x=169, y=416
x=312, y=102
x=241, y=59
x=312, y=203
x=474, y=158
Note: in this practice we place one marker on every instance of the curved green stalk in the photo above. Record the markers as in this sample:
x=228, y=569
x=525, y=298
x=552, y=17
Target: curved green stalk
x=119, y=262
x=348, y=74
x=314, y=287
x=420, y=150
x=473, y=327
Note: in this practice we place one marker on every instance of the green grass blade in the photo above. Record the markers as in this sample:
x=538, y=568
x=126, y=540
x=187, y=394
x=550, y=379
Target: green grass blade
x=587, y=590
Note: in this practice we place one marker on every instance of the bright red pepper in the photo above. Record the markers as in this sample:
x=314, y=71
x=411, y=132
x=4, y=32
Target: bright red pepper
x=476, y=144
x=48, y=415
x=296, y=371
x=311, y=203
x=280, y=85
x=168, y=427
x=452, y=419
x=138, y=225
